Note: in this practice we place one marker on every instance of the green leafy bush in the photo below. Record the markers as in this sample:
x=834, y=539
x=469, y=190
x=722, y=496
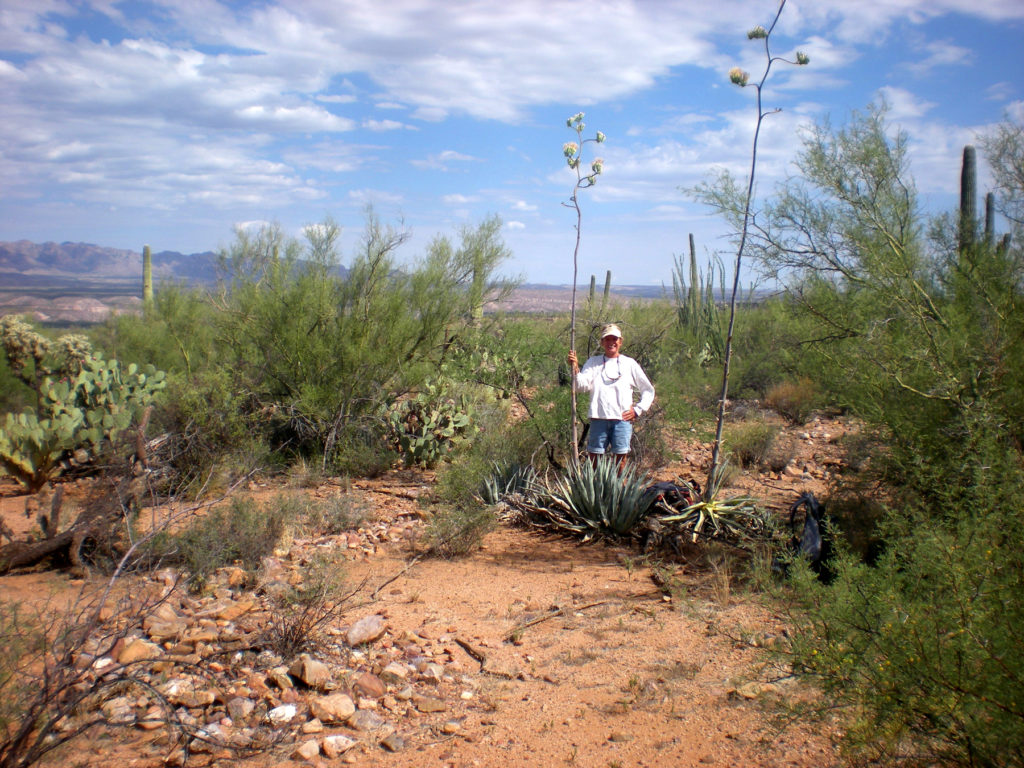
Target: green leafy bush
x=925, y=647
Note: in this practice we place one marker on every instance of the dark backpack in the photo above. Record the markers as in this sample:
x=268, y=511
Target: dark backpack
x=814, y=542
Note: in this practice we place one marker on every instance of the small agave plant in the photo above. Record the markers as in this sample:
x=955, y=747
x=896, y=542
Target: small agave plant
x=599, y=497
x=734, y=518
x=505, y=480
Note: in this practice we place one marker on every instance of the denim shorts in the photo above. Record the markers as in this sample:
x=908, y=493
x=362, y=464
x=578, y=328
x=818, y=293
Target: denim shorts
x=615, y=433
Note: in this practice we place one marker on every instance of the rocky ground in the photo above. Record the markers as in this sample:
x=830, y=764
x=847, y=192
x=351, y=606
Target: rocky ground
x=532, y=651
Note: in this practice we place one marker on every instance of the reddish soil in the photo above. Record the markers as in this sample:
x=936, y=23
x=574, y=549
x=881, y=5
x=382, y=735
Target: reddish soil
x=587, y=662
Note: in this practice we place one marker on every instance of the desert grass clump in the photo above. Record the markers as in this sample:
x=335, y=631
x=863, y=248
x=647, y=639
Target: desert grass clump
x=455, y=531
x=337, y=514
x=751, y=442
x=241, y=532
x=793, y=400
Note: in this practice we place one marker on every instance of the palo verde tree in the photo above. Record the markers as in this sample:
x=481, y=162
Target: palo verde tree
x=321, y=353
x=918, y=326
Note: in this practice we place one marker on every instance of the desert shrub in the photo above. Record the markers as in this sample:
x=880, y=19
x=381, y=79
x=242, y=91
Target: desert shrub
x=334, y=515
x=925, y=646
x=793, y=400
x=454, y=531
x=177, y=335
x=750, y=443
x=362, y=450
x=320, y=353
x=300, y=615
x=241, y=532
x=216, y=432
x=918, y=337
x=856, y=512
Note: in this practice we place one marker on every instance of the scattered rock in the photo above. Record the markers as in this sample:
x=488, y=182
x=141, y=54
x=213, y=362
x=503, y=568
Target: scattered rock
x=283, y=714
x=137, y=650
x=366, y=630
x=337, y=744
x=307, y=751
x=393, y=743
x=395, y=672
x=335, y=708
x=370, y=686
x=428, y=704
x=312, y=672
x=239, y=708
x=366, y=720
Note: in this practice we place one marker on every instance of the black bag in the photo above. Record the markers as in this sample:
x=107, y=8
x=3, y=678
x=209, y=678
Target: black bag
x=814, y=542
x=676, y=496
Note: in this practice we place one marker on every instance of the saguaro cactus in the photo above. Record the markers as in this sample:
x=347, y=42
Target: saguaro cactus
x=147, y=278
x=968, y=199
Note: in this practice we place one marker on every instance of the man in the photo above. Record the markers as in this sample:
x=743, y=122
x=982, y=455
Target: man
x=611, y=378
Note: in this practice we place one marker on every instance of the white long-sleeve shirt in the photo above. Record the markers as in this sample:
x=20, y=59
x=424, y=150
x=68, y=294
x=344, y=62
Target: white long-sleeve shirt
x=611, y=381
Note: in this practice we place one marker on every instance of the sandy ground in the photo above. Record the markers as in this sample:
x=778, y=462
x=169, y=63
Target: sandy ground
x=586, y=661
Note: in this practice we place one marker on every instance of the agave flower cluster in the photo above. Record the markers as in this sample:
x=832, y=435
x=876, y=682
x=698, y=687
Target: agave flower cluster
x=739, y=77
x=573, y=151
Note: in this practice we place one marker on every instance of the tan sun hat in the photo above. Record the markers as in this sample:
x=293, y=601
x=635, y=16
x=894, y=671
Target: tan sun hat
x=611, y=330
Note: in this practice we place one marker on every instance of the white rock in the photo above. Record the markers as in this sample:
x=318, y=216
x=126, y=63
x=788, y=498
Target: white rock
x=282, y=714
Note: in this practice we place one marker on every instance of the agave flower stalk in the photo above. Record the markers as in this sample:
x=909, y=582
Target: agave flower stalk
x=573, y=151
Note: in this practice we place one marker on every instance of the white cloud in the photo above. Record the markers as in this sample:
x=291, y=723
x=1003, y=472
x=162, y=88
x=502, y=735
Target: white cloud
x=458, y=199
x=515, y=225
x=941, y=53
x=522, y=205
x=1002, y=91
x=904, y=104
x=384, y=125
x=442, y=160
x=374, y=196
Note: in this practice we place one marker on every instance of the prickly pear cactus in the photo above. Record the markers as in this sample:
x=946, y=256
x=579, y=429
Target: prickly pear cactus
x=428, y=426
x=82, y=401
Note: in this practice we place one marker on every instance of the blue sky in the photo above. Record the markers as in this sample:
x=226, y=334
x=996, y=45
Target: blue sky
x=172, y=122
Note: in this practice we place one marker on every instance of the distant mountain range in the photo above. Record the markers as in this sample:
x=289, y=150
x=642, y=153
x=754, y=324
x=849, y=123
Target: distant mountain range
x=81, y=282
x=24, y=264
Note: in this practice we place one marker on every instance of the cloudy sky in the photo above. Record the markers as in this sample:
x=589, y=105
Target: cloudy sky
x=171, y=122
